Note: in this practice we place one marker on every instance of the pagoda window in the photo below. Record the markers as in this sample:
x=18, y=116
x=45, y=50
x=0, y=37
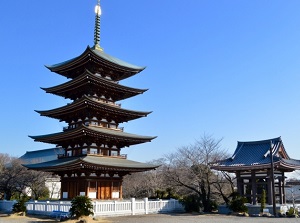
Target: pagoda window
x=113, y=126
x=113, y=153
x=93, y=151
x=69, y=153
x=86, y=123
x=84, y=151
x=65, y=195
x=94, y=123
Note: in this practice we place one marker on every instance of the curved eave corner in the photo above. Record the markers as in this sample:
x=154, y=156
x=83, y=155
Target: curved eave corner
x=39, y=112
x=58, y=65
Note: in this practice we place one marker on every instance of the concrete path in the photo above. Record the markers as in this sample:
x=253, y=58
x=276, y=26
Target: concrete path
x=163, y=218
x=186, y=218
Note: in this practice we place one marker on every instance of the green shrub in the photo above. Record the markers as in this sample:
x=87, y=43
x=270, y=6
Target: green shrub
x=191, y=203
x=292, y=212
x=238, y=204
x=263, y=200
x=81, y=206
x=20, y=206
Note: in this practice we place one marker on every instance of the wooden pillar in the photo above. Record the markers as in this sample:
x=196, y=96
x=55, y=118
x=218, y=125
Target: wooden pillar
x=121, y=189
x=254, y=187
x=269, y=181
x=98, y=190
x=87, y=186
x=111, y=189
x=283, y=188
x=239, y=182
x=280, y=191
x=61, y=187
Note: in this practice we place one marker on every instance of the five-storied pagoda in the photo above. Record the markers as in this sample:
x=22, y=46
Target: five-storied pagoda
x=92, y=164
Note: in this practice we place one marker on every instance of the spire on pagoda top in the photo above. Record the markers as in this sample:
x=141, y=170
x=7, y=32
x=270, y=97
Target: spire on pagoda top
x=97, y=27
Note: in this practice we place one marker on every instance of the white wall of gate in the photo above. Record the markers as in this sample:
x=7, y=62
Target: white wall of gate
x=110, y=208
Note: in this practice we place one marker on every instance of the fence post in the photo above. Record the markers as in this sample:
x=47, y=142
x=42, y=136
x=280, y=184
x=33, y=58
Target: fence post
x=34, y=204
x=94, y=207
x=132, y=206
x=59, y=205
x=46, y=206
x=146, y=205
x=115, y=206
x=160, y=204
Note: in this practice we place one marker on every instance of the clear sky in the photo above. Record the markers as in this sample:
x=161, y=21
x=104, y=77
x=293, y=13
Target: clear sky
x=229, y=68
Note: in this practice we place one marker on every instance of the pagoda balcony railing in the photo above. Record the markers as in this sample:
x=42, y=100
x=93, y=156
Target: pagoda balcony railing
x=111, y=128
x=108, y=102
x=122, y=156
x=116, y=129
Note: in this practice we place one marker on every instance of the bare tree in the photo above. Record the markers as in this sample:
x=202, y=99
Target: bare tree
x=144, y=184
x=35, y=181
x=224, y=185
x=14, y=178
x=188, y=168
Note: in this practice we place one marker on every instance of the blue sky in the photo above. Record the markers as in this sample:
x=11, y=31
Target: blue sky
x=226, y=68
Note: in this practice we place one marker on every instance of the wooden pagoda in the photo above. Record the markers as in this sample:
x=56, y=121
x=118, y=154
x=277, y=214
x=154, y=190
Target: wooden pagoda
x=260, y=165
x=92, y=164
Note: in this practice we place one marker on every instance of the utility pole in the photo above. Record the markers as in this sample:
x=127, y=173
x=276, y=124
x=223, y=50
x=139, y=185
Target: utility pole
x=273, y=180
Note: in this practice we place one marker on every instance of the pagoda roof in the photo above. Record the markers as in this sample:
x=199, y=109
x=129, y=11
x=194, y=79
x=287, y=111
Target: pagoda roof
x=96, y=163
x=256, y=155
x=89, y=82
x=93, y=134
x=97, y=60
x=80, y=106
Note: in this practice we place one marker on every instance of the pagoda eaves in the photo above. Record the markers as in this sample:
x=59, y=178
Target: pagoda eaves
x=96, y=109
x=96, y=61
x=92, y=162
x=93, y=134
x=89, y=82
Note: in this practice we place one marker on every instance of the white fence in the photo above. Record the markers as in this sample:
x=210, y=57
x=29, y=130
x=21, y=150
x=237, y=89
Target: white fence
x=134, y=207
x=110, y=208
